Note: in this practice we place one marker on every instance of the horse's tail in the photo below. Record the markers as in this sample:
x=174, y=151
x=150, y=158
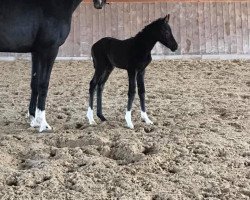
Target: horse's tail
x=93, y=56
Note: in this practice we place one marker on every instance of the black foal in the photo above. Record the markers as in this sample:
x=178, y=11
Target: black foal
x=134, y=55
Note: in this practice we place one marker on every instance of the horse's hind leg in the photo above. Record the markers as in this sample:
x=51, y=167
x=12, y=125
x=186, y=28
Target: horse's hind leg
x=100, y=88
x=141, y=92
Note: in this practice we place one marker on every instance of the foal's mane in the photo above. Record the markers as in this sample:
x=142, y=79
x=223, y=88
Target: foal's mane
x=148, y=28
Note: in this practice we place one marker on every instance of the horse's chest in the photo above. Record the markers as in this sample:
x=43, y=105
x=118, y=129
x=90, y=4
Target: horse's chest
x=53, y=32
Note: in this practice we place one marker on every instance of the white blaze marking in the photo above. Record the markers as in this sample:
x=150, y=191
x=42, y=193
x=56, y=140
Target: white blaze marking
x=90, y=116
x=128, y=119
x=145, y=118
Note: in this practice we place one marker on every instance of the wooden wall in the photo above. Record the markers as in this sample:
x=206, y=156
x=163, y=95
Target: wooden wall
x=200, y=27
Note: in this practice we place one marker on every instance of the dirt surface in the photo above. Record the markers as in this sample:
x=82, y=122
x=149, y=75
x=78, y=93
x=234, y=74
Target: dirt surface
x=199, y=147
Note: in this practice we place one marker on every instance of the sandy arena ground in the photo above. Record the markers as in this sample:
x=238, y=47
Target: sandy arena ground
x=199, y=147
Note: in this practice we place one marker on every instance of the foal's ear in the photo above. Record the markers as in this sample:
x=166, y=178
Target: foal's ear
x=166, y=19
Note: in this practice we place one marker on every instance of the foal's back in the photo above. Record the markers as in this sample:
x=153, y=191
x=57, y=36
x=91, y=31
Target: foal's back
x=113, y=52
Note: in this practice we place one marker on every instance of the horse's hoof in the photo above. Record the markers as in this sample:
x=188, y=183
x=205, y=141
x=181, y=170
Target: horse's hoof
x=33, y=122
x=45, y=128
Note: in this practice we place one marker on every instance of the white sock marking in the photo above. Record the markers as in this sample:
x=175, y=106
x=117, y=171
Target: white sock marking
x=128, y=120
x=145, y=118
x=90, y=116
x=40, y=121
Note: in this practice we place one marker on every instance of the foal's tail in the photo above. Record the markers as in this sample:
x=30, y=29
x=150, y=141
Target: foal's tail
x=99, y=53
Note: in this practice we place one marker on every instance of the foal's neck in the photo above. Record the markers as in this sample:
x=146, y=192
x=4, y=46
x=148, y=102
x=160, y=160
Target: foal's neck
x=146, y=40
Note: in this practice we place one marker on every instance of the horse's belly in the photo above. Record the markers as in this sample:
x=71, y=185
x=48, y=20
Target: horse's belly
x=17, y=37
x=12, y=45
x=18, y=46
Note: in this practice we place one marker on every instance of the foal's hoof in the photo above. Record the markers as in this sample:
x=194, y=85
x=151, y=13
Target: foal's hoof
x=102, y=118
x=92, y=122
x=145, y=118
x=131, y=126
x=148, y=122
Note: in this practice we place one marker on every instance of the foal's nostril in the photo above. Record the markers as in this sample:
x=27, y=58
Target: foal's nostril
x=176, y=46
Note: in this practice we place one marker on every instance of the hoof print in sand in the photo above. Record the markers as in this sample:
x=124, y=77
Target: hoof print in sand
x=127, y=151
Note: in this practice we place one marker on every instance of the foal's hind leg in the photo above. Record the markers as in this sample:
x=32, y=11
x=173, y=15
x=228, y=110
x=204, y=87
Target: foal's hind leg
x=141, y=92
x=100, y=88
x=131, y=95
x=92, y=89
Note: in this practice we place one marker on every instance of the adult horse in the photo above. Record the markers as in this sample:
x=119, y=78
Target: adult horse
x=38, y=27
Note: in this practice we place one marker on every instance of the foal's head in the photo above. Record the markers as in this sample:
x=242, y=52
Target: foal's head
x=98, y=4
x=164, y=34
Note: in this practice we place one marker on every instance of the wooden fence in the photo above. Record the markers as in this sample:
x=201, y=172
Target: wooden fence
x=200, y=27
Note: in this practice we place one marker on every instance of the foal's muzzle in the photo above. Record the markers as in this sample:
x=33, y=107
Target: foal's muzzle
x=174, y=48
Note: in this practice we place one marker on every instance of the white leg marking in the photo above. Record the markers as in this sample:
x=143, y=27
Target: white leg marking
x=128, y=120
x=33, y=121
x=90, y=116
x=145, y=118
x=44, y=125
x=40, y=121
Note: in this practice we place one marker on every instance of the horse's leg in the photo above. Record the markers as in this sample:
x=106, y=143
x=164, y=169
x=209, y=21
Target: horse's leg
x=47, y=59
x=131, y=95
x=34, y=89
x=100, y=88
x=141, y=92
x=92, y=89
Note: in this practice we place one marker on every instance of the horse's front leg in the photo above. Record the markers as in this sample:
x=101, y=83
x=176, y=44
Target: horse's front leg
x=34, y=89
x=46, y=60
x=141, y=92
x=131, y=95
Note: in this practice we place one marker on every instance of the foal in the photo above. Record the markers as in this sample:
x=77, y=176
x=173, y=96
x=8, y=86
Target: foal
x=134, y=55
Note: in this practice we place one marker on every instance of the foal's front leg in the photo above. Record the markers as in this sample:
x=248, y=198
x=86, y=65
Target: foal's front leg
x=131, y=95
x=141, y=92
x=92, y=89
